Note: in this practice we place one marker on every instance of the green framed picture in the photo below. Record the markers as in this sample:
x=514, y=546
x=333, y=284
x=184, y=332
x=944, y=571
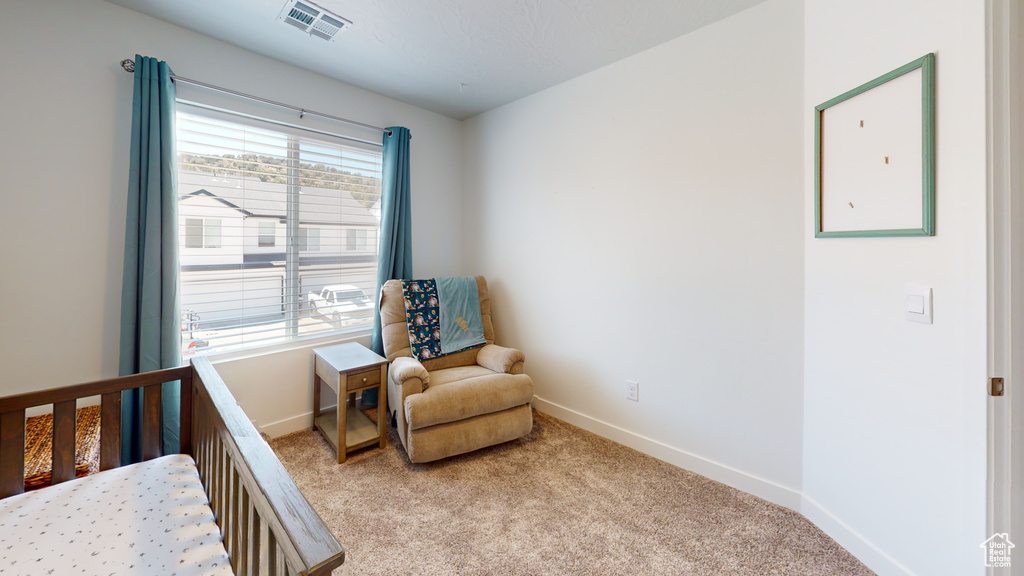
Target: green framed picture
x=874, y=157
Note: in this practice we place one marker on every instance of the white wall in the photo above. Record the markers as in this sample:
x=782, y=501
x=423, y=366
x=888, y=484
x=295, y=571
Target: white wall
x=894, y=412
x=644, y=222
x=66, y=118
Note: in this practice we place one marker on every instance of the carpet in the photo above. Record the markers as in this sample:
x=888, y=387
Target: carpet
x=39, y=446
x=560, y=500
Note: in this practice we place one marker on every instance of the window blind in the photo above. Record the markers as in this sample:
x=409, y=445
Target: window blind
x=267, y=218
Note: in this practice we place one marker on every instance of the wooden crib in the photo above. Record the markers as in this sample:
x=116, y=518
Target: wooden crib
x=266, y=524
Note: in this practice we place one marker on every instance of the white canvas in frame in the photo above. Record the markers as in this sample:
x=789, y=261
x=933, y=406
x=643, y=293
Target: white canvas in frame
x=875, y=148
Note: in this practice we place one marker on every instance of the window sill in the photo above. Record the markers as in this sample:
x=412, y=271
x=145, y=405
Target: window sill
x=361, y=335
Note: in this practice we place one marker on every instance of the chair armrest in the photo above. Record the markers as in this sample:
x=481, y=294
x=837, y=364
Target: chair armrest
x=501, y=359
x=410, y=375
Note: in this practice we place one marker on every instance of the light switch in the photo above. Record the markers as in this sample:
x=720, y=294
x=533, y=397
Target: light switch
x=915, y=304
x=918, y=304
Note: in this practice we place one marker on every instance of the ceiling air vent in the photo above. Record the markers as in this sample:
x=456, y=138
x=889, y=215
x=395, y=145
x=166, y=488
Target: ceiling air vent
x=311, y=18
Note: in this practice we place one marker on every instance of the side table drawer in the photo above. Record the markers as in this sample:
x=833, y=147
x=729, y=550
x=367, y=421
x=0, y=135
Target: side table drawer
x=358, y=380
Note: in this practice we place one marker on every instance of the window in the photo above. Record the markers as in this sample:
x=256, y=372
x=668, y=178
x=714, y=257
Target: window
x=309, y=239
x=299, y=193
x=267, y=237
x=202, y=233
x=355, y=239
x=193, y=232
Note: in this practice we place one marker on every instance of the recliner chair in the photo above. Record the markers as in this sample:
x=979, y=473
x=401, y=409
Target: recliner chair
x=456, y=403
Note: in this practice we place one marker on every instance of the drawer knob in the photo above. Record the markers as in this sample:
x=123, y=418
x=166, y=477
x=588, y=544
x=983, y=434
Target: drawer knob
x=364, y=380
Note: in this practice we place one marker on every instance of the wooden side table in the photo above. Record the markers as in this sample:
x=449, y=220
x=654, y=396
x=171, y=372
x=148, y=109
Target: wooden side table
x=347, y=369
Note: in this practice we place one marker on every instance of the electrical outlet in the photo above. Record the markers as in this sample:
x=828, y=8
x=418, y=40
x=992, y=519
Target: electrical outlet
x=632, y=390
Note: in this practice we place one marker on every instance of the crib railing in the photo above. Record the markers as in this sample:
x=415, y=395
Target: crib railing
x=267, y=525
x=12, y=423
x=271, y=529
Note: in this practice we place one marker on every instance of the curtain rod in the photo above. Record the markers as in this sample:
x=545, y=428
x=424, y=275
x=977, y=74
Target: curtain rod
x=129, y=66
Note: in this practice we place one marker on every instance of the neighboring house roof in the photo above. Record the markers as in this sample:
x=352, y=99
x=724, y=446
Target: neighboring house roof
x=257, y=199
x=202, y=192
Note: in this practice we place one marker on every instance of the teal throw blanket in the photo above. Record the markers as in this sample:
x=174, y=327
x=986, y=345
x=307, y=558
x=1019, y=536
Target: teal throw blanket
x=461, y=326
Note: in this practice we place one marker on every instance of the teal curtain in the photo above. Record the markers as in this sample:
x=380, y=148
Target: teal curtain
x=150, y=322
x=395, y=257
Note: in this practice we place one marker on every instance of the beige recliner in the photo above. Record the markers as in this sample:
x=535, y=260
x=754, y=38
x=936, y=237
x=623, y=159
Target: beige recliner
x=456, y=403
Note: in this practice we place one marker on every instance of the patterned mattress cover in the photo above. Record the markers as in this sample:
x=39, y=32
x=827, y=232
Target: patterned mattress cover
x=148, y=518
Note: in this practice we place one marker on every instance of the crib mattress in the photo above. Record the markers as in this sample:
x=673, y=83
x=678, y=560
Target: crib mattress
x=144, y=519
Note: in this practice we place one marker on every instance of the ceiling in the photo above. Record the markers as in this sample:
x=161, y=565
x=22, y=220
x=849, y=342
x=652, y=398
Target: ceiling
x=455, y=57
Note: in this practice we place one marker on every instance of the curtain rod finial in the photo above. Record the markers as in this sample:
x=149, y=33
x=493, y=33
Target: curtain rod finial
x=128, y=65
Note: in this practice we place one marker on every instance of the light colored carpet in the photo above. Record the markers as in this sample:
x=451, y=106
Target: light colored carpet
x=559, y=501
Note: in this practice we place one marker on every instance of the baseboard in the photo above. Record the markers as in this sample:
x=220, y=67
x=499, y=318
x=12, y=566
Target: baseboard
x=288, y=425
x=875, y=559
x=738, y=479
